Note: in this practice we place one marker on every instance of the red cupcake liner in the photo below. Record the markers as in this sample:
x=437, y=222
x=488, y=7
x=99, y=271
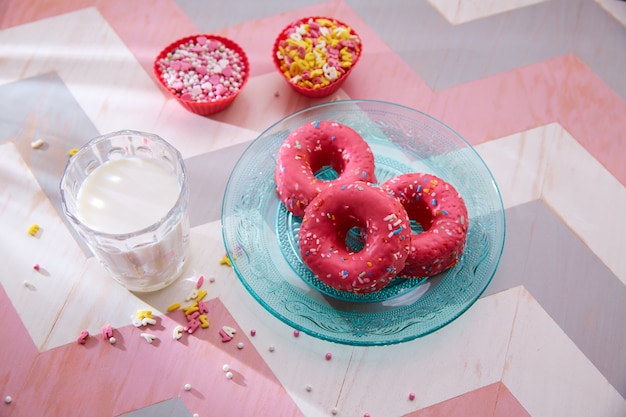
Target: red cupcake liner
x=203, y=108
x=320, y=91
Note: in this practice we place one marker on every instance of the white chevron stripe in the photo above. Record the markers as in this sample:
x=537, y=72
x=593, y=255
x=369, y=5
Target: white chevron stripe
x=457, y=12
x=548, y=374
x=616, y=8
x=24, y=203
x=112, y=88
x=420, y=366
x=548, y=163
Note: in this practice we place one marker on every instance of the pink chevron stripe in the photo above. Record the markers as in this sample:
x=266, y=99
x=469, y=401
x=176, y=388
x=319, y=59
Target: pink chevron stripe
x=492, y=400
x=132, y=374
x=17, y=352
x=480, y=110
x=507, y=405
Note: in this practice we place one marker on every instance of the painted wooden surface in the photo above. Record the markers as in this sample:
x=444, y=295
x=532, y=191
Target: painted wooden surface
x=538, y=87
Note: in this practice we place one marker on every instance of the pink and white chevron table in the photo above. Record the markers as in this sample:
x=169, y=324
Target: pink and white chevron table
x=538, y=87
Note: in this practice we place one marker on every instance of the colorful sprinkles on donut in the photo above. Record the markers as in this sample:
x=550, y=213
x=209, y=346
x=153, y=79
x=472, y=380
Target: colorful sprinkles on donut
x=315, y=146
x=203, y=69
x=382, y=224
x=440, y=211
x=315, y=52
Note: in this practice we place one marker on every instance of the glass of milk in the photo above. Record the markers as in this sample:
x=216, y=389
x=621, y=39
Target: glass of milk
x=126, y=194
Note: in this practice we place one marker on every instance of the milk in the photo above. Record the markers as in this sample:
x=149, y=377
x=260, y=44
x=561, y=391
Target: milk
x=125, y=196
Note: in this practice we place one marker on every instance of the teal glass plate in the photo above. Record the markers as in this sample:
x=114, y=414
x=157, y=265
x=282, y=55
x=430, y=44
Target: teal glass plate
x=260, y=237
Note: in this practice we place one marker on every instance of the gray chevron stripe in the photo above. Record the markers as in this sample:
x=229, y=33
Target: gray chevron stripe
x=42, y=107
x=455, y=54
x=572, y=285
x=169, y=408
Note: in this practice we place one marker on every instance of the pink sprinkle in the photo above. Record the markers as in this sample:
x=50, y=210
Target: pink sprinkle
x=214, y=79
x=252, y=332
x=107, y=332
x=82, y=339
x=192, y=326
x=203, y=308
x=200, y=281
x=213, y=45
x=201, y=40
x=36, y=267
x=227, y=71
x=225, y=337
x=411, y=396
x=329, y=356
x=220, y=89
x=296, y=333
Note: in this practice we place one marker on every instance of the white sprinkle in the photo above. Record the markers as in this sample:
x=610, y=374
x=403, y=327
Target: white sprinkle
x=229, y=375
x=178, y=332
x=225, y=367
x=37, y=144
x=187, y=387
x=271, y=348
x=149, y=337
x=8, y=399
x=309, y=388
x=240, y=345
x=112, y=340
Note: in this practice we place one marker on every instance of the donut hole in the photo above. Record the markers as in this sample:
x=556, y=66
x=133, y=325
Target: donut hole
x=327, y=167
x=351, y=233
x=420, y=216
x=326, y=173
x=355, y=241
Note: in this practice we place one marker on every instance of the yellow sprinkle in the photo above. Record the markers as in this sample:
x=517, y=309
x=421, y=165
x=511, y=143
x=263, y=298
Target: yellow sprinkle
x=225, y=261
x=72, y=152
x=204, y=322
x=144, y=314
x=201, y=294
x=33, y=229
x=173, y=307
x=191, y=309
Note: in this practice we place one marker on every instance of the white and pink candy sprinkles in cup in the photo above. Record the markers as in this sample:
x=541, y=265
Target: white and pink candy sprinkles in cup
x=204, y=73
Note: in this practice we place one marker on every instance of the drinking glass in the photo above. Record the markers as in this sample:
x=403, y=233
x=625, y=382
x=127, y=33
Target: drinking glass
x=126, y=194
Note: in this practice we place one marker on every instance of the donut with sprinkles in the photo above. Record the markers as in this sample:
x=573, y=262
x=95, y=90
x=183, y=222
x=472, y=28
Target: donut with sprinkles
x=314, y=146
x=442, y=214
x=383, y=229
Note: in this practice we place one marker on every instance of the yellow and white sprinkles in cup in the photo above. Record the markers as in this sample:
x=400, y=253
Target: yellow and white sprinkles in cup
x=317, y=52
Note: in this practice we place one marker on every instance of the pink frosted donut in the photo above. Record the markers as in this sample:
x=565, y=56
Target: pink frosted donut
x=384, y=228
x=311, y=147
x=440, y=210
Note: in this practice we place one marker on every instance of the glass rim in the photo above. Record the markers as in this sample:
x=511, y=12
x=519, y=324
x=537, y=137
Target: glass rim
x=123, y=236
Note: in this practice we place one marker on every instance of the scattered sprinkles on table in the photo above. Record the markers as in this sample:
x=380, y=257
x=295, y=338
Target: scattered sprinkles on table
x=203, y=69
x=317, y=51
x=33, y=229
